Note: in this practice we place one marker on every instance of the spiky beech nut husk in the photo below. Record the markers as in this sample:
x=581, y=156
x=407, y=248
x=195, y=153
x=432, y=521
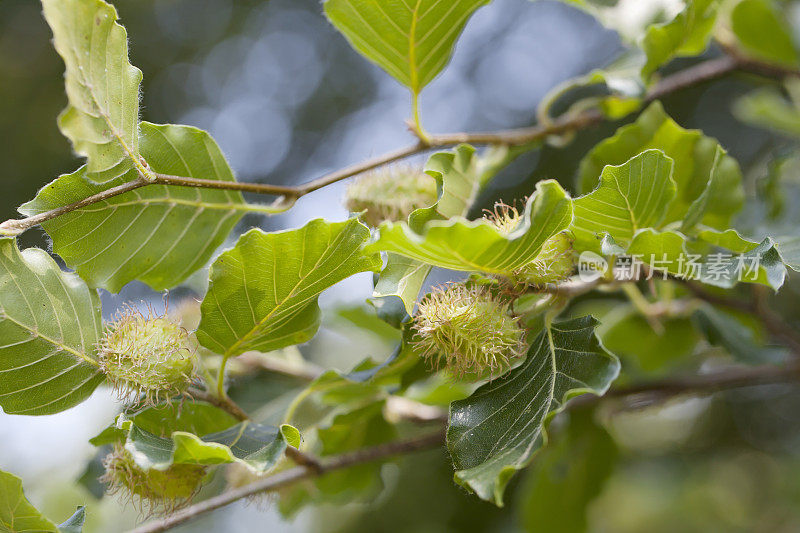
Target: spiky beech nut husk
x=390, y=194
x=504, y=217
x=146, y=356
x=157, y=490
x=469, y=328
x=554, y=263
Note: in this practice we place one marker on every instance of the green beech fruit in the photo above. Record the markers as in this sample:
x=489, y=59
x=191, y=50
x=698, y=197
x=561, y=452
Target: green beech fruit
x=469, y=328
x=390, y=194
x=158, y=490
x=146, y=356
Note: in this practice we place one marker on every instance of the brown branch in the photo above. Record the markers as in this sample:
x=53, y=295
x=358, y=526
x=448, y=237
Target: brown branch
x=15, y=227
x=305, y=460
x=654, y=390
x=293, y=475
x=226, y=404
x=699, y=73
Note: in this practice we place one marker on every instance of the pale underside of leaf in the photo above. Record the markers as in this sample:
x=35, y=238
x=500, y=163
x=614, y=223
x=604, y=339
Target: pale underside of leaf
x=463, y=245
x=102, y=119
x=49, y=326
x=411, y=39
x=263, y=292
x=157, y=234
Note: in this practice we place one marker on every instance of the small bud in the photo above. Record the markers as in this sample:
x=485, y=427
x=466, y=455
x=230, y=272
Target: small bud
x=555, y=262
x=146, y=356
x=158, y=490
x=390, y=194
x=472, y=330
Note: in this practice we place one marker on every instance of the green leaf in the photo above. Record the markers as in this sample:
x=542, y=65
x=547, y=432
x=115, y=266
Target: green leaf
x=74, y=524
x=715, y=204
x=672, y=252
x=192, y=417
x=17, y=515
x=410, y=39
x=459, y=176
x=102, y=119
x=348, y=431
x=49, y=327
x=768, y=108
x=764, y=32
x=464, y=245
x=256, y=446
x=629, y=197
x=695, y=158
x=263, y=292
x=157, y=234
x=687, y=34
x=496, y=431
x=626, y=333
x=738, y=339
x=789, y=249
x=567, y=475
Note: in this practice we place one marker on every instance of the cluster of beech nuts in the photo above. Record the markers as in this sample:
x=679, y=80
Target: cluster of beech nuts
x=468, y=327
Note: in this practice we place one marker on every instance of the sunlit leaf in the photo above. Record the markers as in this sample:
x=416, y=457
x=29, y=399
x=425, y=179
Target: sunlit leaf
x=496, y=431
x=410, y=39
x=263, y=292
x=629, y=197
x=102, y=119
x=687, y=34
x=696, y=160
x=464, y=245
x=17, y=515
x=764, y=32
x=49, y=327
x=157, y=234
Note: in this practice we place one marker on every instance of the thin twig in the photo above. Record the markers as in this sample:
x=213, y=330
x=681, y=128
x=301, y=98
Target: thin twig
x=293, y=475
x=704, y=383
x=699, y=73
x=305, y=460
x=15, y=227
x=225, y=403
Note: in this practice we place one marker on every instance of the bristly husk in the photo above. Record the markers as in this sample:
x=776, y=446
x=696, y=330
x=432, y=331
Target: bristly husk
x=146, y=358
x=468, y=328
x=151, y=491
x=390, y=194
x=555, y=261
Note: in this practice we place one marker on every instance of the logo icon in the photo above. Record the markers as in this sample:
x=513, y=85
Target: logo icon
x=591, y=266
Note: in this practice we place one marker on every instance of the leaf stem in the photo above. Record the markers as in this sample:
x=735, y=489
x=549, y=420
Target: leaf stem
x=416, y=125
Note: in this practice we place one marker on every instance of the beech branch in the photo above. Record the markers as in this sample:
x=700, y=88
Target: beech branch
x=312, y=467
x=699, y=73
